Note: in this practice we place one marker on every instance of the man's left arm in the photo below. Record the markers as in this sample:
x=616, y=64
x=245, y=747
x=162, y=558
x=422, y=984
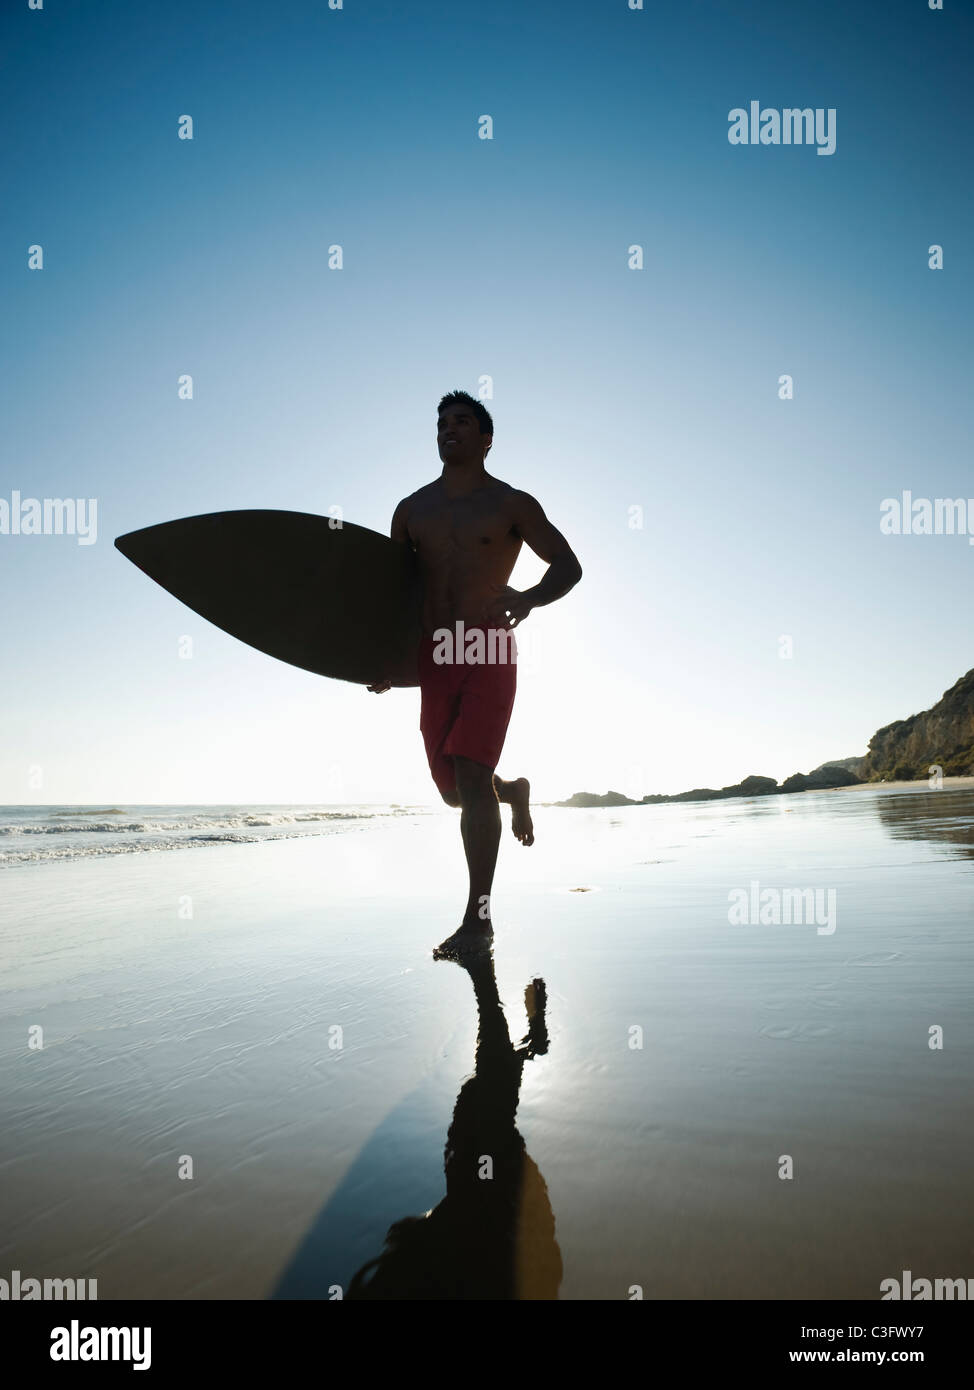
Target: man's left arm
x=548, y=544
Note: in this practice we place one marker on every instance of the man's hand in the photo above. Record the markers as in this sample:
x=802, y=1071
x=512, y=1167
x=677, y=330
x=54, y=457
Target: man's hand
x=380, y=687
x=509, y=607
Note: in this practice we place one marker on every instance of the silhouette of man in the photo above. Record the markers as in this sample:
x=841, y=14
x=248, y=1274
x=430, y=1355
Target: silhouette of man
x=467, y=529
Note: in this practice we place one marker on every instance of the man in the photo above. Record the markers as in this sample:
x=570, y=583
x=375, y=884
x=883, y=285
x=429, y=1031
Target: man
x=467, y=529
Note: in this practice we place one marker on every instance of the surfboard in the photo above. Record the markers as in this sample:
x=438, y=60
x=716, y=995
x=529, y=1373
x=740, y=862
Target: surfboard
x=328, y=596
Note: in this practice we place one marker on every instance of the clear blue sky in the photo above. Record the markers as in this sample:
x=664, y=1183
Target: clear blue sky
x=508, y=258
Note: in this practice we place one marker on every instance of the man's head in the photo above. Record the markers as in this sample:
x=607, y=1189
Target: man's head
x=464, y=429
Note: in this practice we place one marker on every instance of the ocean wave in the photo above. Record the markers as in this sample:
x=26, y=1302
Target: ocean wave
x=255, y=819
x=28, y=856
x=85, y=838
x=85, y=827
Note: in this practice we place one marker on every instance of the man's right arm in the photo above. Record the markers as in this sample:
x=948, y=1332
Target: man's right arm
x=399, y=531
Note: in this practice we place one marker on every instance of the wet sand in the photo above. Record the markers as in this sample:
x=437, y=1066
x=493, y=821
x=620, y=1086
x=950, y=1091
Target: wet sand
x=296, y=1040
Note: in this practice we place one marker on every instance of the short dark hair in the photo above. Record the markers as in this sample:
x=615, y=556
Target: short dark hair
x=479, y=409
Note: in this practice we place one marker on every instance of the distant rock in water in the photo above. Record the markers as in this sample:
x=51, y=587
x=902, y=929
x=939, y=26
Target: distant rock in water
x=939, y=737
x=698, y=794
x=593, y=799
x=751, y=786
x=828, y=775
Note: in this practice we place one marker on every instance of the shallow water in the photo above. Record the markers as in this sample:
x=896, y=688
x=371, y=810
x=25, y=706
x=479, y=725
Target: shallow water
x=295, y=1039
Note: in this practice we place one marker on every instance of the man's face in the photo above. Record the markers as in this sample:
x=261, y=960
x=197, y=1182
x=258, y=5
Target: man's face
x=458, y=436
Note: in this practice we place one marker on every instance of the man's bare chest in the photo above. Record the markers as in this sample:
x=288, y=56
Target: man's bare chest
x=462, y=523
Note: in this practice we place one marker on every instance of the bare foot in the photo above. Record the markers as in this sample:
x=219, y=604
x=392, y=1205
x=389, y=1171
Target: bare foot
x=465, y=940
x=521, y=823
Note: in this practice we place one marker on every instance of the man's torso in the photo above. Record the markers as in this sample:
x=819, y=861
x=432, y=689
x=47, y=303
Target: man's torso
x=466, y=547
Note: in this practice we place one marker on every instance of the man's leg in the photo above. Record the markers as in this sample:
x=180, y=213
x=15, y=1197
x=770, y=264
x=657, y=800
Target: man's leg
x=517, y=795
x=480, y=827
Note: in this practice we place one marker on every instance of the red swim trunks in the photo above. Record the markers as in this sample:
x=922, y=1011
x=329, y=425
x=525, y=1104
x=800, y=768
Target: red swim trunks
x=467, y=697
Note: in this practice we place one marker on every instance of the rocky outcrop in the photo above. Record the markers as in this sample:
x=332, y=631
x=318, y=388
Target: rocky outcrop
x=942, y=736
x=850, y=764
x=594, y=799
x=902, y=751
x=828, y=775
x=751, y=786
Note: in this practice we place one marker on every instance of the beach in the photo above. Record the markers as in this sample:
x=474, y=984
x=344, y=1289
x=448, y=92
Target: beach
x=250, y=1062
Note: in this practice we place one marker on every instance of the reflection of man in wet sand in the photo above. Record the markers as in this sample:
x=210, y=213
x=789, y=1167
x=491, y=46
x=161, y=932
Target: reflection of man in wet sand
x=467, y=529
x=493, y=1234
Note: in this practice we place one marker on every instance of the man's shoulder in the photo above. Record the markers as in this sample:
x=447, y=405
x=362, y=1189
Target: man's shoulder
x=504, y=491
x=521, y=500
x=519, y=505
x=413, y=497
x=433, y=489
x=426, y=493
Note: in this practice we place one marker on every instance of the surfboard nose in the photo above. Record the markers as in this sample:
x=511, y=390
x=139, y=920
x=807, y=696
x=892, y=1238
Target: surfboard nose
x=142, y=548
x=124, y=543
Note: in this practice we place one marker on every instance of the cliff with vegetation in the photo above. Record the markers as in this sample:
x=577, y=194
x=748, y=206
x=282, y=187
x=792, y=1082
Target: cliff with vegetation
x=939, y=737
